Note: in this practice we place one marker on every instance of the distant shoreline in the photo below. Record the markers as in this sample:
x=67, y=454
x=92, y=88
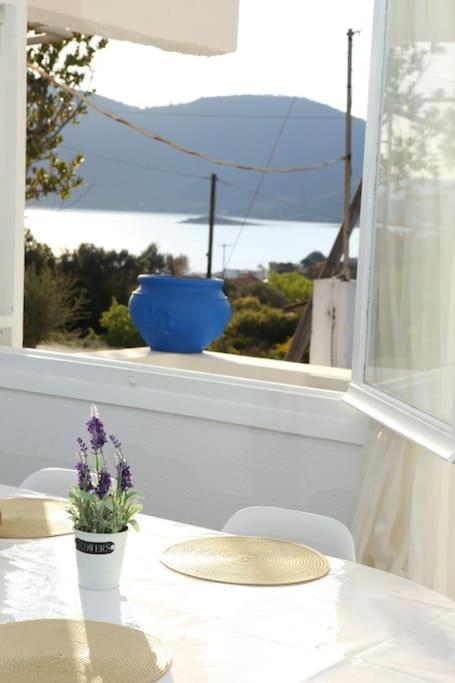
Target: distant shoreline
x=135, y=231
x=191, y=220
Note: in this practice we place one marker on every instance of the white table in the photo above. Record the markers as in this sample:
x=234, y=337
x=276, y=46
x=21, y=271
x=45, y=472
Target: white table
x=357, y=625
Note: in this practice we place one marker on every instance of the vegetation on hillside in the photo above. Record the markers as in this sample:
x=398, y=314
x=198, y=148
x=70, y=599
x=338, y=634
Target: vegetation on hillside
x=84, y=293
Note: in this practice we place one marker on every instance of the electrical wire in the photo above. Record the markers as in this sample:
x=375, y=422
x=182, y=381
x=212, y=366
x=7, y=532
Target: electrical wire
x=244, y=188
x=135, y=164
x=157, y=169
x=261, y=180
x=174, y=145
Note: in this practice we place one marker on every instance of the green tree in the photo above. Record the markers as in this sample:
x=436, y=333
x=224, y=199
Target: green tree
x=282, y=267
x=107, y=274
x=312, y=258
x=151, y=260
x=177, y=265
x=311, y=264
x=103, y=275
x=294, y=286
x=50, y=109
x=37, y=253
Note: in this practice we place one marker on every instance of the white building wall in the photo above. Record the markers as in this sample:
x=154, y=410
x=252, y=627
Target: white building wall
x=192, y=470
x=197, y=469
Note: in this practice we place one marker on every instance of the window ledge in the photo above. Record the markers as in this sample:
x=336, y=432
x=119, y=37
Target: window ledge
x=230, y=365
x=293, y=408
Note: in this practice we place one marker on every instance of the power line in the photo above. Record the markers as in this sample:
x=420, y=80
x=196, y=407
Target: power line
x=279, y=200
x=261, y=180
x=174, y=145
x=158, y=169
x=78, y=199
x=124, y=162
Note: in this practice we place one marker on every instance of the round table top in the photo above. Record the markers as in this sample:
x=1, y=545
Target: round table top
x=356, y=624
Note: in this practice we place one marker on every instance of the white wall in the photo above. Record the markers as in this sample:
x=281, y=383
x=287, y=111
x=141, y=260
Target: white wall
x=191, y=469
x=332, y=323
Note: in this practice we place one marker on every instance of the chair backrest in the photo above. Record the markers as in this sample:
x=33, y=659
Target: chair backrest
x=53, y=481
x=325, y=534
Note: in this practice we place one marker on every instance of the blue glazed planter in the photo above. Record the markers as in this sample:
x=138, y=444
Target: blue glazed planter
x=178, y=314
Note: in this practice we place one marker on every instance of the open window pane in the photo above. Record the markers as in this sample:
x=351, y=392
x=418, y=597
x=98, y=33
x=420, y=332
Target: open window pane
x=408, y=322
x=410, y=347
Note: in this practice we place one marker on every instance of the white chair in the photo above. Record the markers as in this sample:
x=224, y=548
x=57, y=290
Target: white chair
x=325, y=534
x=53, y=481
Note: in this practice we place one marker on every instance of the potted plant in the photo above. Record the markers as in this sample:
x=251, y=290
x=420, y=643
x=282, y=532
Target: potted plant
x=179, y=314
x=102, y=506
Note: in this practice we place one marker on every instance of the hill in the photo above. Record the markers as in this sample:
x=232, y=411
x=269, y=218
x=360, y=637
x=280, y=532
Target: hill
x=123, y=171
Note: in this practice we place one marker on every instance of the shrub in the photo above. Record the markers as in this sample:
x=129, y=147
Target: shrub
x=293, y=286
x=279, y=351
x=255, y=331
x=267, y=295
x=51, y=304
x=120, y=331
x=251, y=303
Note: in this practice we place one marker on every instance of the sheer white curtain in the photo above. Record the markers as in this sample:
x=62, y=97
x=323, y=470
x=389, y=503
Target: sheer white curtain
x=405, y=518
x=405, y=521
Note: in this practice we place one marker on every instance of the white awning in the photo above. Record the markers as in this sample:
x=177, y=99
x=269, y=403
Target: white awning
x=200, y=27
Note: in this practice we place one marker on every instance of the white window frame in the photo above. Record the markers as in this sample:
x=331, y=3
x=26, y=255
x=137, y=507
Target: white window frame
x=13, y=40
x=399, y=416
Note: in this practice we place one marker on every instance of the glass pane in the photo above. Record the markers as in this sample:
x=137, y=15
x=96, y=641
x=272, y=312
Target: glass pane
x=411, y=330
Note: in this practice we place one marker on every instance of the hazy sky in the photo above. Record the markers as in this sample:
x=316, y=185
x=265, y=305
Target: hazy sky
x=286, y=47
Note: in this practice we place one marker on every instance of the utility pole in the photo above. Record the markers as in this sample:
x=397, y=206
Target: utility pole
x=213, y=180
x=302, y=334
x=224, y=246
x=340, y=248
x=346, y=273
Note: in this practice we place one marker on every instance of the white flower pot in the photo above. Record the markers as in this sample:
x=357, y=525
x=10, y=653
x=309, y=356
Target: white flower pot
x=99, y=558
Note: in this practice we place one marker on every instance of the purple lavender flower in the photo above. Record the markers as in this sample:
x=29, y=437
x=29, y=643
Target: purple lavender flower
x=82, y=446
x=124, y=475
x=104, y=482
x=115, y=441
x=84, y=480
x=96, y=429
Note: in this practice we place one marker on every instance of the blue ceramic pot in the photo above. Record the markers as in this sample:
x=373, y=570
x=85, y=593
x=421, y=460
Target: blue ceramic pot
x=179, y=314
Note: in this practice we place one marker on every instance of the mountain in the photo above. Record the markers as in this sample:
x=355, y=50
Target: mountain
x=124, y=171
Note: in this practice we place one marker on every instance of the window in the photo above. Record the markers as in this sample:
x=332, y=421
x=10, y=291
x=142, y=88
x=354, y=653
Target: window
x=405, y=331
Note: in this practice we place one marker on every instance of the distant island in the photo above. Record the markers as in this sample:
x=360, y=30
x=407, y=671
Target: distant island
x=123, y=171
x=220, y=220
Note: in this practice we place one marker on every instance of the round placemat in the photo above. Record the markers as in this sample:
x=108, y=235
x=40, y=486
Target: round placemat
x=66, y=651
x=34, y=518
x=246, y=560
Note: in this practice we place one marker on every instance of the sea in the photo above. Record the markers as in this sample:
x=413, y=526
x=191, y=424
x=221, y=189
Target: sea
x=245, y=248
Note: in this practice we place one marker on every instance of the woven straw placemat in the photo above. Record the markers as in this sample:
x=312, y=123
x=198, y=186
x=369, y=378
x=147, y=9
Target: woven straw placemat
x=66, y=651
x=246, y=560
x=34, y=518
